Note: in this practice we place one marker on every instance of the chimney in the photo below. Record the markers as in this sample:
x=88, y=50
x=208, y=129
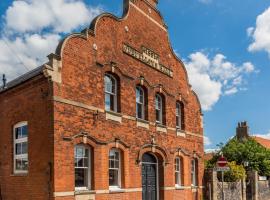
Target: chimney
x=242, y=131
x=4, y=81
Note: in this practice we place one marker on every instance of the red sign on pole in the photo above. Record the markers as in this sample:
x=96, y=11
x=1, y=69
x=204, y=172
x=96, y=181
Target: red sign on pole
x=222, y=162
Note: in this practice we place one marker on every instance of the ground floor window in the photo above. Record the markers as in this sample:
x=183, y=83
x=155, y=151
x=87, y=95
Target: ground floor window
x=115, y=168
x=178, y=171
x=21, y=148
x=194, y=172
x=82, y=167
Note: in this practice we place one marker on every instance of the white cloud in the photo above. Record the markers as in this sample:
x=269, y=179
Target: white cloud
x=33, y=28
x=213, y=77
x=28, y=50
x=231, y=91
x=60, y=15
x=207, y=141
x=261, y=33
x=211, y=150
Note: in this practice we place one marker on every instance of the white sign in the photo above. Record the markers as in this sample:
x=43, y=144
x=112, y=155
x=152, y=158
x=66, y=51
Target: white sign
x=222, y=169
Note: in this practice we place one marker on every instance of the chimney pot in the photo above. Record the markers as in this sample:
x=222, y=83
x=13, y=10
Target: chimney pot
x=242, y=131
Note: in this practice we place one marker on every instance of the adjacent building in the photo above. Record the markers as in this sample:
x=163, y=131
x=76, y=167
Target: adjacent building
x=111, y=116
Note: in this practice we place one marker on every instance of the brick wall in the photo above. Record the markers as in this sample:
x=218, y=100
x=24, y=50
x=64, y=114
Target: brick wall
x=83, y=70
x=27, y=102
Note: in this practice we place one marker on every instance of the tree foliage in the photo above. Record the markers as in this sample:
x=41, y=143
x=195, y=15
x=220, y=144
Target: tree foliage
x=257, y=156
x=236, y=173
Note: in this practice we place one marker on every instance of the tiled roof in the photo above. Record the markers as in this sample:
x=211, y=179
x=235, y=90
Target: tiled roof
x=264, y=142
x=22, y=78
x=208, y=156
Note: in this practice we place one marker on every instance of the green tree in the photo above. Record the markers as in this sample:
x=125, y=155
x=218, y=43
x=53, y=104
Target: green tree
x=247, y=150
x=236, y=173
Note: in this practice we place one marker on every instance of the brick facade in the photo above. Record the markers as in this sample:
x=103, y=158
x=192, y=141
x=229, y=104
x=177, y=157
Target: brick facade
x=64, y=106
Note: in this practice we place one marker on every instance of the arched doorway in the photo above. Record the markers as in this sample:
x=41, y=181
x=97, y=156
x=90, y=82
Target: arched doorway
x=149, y=177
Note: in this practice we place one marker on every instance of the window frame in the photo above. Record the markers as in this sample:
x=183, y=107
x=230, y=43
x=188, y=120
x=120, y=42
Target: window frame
x=118, y=186
x=115, y=94
x=89, y=177
x=179, y=115
x=178, y=173
x=143, y=104
x=194, y=172
x=20, y=141
x=160, y=110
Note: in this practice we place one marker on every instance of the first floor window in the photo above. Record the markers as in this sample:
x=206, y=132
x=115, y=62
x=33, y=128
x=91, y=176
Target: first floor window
x=21, y=148
x=178, y=171
x=194, y=171
x=114, y=168
x=111, y=93
x=82, y=167
x=159, y=108
x=179, y=115
x=140, y=103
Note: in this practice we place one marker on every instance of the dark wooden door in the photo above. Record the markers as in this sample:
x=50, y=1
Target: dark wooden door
x=149, y=181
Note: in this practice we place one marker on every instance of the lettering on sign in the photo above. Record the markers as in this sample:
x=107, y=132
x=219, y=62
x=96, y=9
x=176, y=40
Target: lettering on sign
x=148, y=57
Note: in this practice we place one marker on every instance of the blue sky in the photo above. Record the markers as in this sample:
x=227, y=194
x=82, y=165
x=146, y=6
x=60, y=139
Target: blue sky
x=227, y=59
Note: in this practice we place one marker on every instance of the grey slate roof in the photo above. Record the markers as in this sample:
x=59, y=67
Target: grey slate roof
x=21, y=79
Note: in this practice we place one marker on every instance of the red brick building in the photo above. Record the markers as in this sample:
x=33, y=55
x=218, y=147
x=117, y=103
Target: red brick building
x=111, y=116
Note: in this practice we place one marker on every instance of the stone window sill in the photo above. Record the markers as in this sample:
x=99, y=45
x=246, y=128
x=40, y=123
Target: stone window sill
x=180, y=132
x=161, y=128
x=143, y=123
x=21, y=174
x=114, y=116
x=78, y=192
x=116, y=190
x=179, y=187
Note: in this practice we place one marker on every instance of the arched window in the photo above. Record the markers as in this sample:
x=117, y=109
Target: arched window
x=194, y=172
x=111, y=93
x=178, y=171
x=20, y=148
x=180, y=115
x=115, y=168
x=160, y=109
x=82, y=156
x=140, y=103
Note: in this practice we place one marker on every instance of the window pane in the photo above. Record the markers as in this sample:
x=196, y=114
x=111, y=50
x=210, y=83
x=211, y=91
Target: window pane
x=158, y=102
x=17, y=133
x=108, y=84
x=107, y=101
x=79, y=152
x=112, y=102
x=79, y=162
x=117, y=164
x=139, y=95
x=18, y=164
x=158, y=115
x=24, y=164
x=24, y=131
x=111, y=164
x=113, y=177
x=177, y=178
x=24, y=147
x=116, y=155
x=139, y=111
x=177, y=121
x=18, y=149
x=81, y=177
